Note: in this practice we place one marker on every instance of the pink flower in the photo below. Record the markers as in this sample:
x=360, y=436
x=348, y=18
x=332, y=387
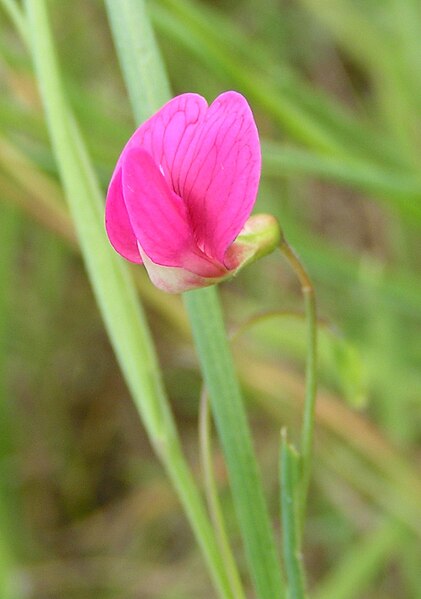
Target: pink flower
x=183, y=189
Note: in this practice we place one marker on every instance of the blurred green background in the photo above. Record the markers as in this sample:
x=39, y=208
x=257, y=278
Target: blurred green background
x=335, y=85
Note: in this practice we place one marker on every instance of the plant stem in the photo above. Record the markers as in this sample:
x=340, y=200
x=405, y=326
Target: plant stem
x=141, y=62
x=307, y=430
x=227, y=406
x=289, y=465
x=186, y=488
x=212, y=496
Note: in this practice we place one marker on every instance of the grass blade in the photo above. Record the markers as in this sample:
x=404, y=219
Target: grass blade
x=227, y=406
x=289, y=476
x=146, y=79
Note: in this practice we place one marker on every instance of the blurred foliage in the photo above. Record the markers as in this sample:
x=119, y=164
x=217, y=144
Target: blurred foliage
x=85, y=511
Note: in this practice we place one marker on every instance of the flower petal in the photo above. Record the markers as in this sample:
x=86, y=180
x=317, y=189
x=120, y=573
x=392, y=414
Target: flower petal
x=169, y=135
x=117, y=224
x=221, y=183
x=159, y=217
x=177, y=280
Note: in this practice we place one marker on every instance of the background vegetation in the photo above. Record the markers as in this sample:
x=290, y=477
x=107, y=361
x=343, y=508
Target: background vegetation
x=85, y=508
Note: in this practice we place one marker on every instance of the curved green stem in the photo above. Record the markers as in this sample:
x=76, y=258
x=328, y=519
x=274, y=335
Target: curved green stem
x=230, y=418
x=311, y=373
x=213, y=499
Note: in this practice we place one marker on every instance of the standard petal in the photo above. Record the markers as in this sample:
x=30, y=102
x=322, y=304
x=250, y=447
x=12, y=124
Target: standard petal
x=220, y=185
x=159, y=217
x=117, y=224
x=169, y=136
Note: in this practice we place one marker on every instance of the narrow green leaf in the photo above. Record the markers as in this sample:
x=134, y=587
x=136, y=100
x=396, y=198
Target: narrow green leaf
x=290, y=482
x=143, y=69
x=228, y=410
x=211, y=490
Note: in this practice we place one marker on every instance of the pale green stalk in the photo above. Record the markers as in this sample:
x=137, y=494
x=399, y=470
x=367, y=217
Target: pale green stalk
x=114, y=289
x=205, y=428
x=307, y=430
x=290, y=515
x=227, y=406
x=140, y=60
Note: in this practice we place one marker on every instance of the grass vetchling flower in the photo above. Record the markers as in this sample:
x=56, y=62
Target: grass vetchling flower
x=182, y=192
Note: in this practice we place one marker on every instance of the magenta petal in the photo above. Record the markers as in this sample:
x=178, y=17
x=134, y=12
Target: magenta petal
x=223, y=177
x=159, y=217
x=168, y=136
x=117, y=224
